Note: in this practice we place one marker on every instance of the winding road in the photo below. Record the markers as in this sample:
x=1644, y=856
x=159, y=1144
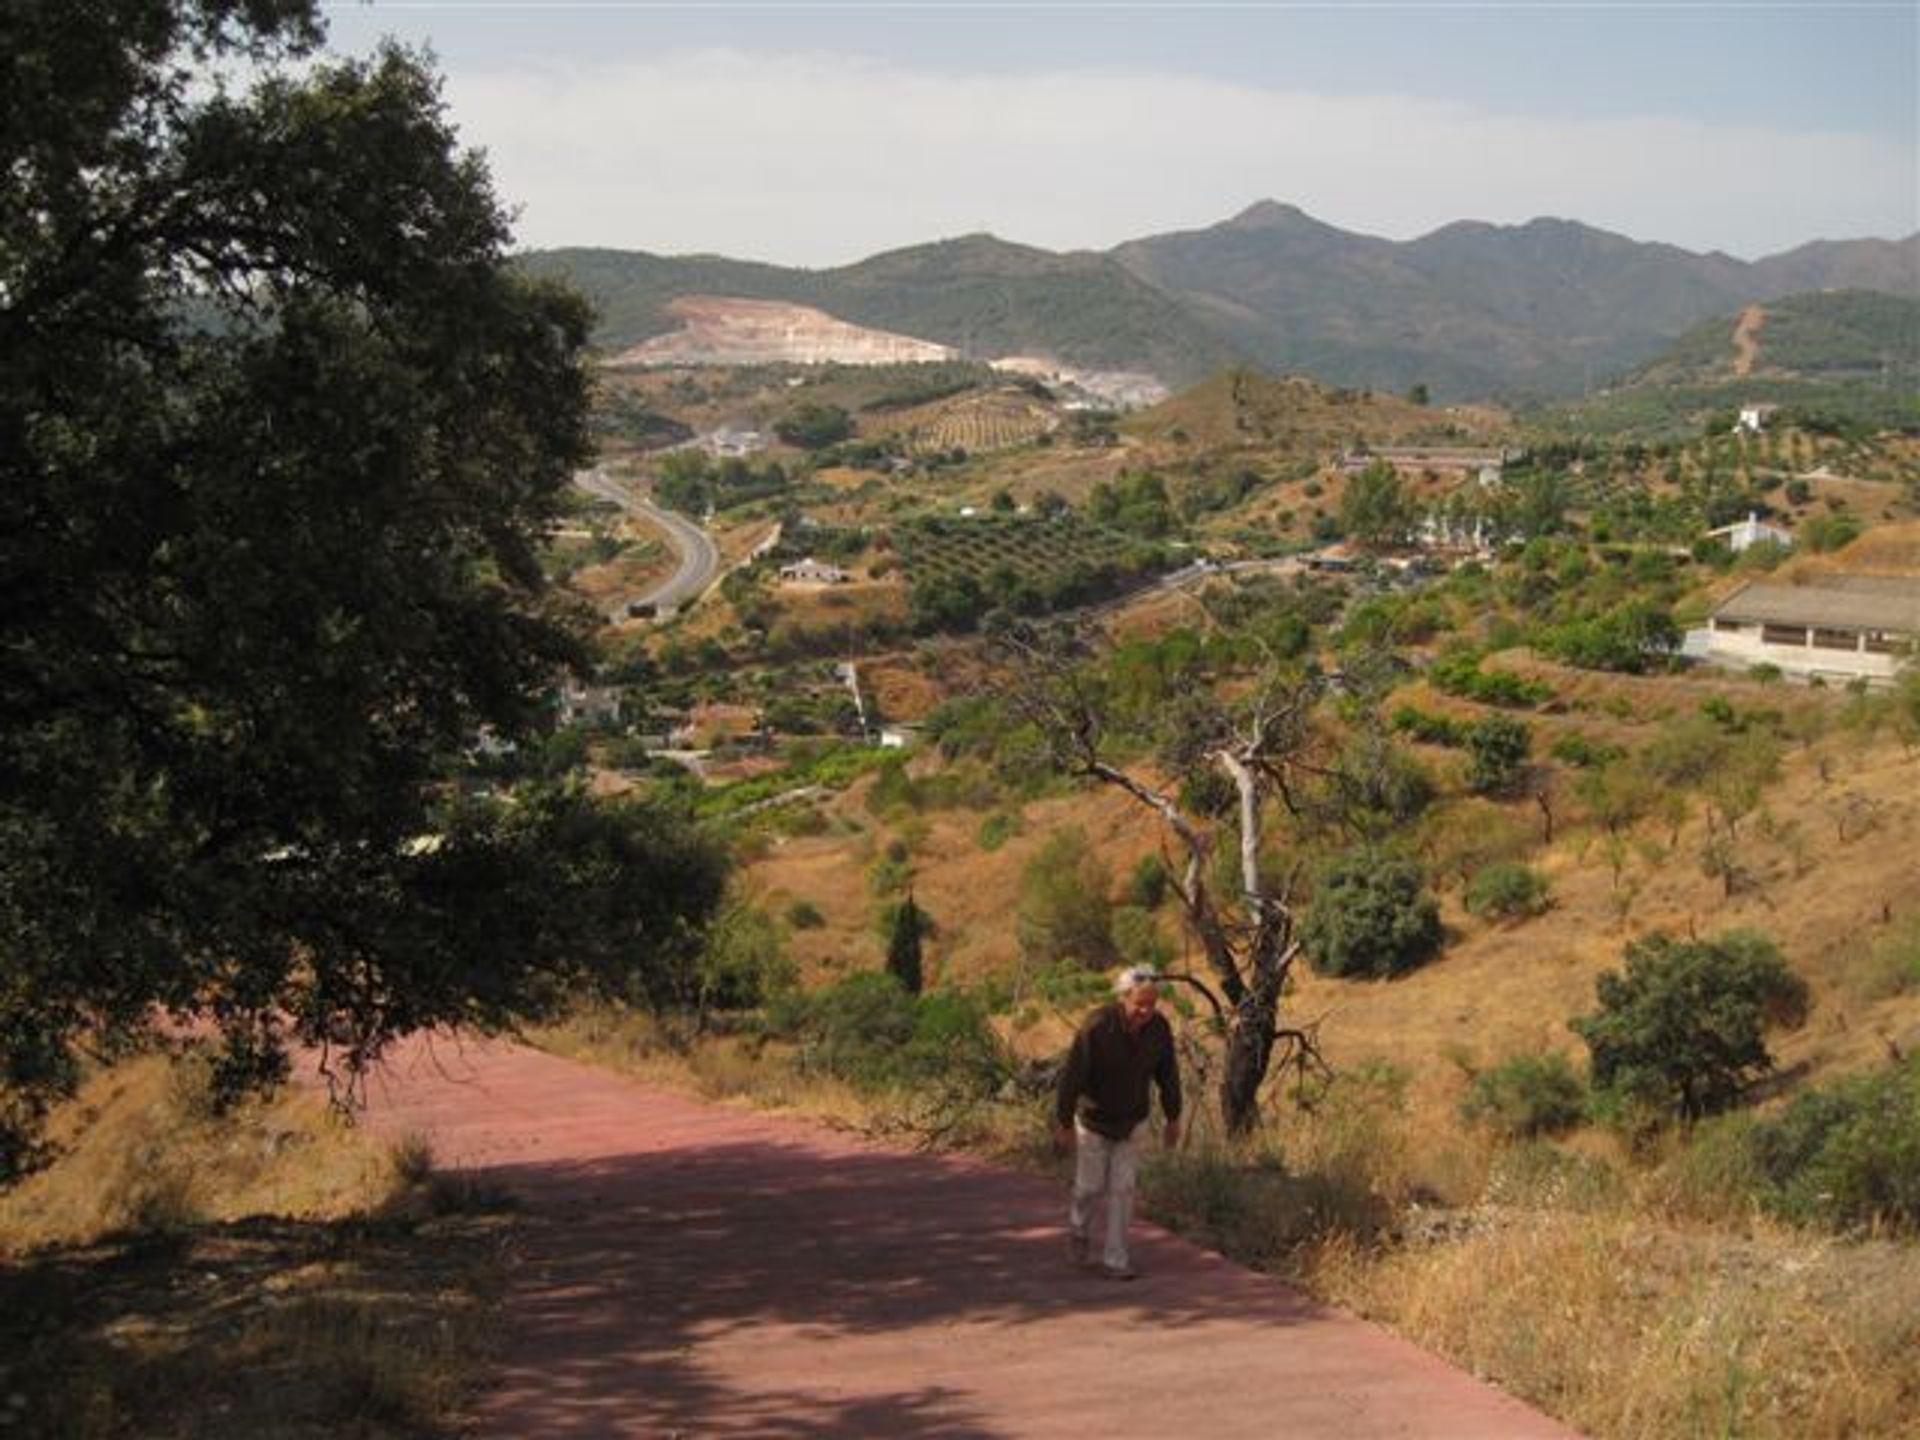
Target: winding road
x=699, y=559
x=701, y=1271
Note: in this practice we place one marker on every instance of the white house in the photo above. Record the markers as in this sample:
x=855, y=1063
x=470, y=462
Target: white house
x=1753, y=418
x=1743, y=534
x=1842, y=627
x=813, y=572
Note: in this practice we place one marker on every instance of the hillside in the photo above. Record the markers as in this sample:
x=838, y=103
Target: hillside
x=1860, y=336
x=1475, y=310
x=1853, y=356
x=1297, y=418
x=981, y=296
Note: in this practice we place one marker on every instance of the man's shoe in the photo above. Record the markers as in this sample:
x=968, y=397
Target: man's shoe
x=1078, y=1250
x=1119, y=1272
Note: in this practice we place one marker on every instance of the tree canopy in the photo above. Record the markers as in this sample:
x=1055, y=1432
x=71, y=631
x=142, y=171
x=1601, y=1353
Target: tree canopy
x=1683, y=1028
x=281, y=433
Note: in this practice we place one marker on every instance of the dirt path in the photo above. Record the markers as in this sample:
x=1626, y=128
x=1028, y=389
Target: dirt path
x=1746, y=339
x=693, y=1270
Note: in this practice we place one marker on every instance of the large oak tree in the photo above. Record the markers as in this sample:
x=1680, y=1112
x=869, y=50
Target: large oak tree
x=280, y=434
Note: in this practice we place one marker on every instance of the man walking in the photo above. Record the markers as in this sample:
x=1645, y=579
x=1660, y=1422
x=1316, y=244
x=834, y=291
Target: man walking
x=1102, y=1106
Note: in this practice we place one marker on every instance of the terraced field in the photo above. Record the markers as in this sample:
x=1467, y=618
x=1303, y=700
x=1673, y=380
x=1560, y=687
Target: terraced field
x=979, y=422
x=1034, y=550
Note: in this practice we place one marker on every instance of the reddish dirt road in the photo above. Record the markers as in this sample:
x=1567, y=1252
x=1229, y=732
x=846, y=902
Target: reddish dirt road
x=692, y=1270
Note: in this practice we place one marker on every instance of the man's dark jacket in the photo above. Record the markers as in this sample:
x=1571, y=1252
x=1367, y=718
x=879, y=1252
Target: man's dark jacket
x=1107, y=1070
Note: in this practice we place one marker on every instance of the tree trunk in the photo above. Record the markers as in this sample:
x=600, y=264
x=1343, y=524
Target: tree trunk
x=1249, y=1052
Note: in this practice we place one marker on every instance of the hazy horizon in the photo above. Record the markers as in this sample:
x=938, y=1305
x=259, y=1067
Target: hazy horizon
x=820, y=133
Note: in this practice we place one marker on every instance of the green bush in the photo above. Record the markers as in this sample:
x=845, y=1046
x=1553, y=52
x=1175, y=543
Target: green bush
x=1682, y=1031
x=1508, y=890
x=1461, y=675
x=1576, y=749
x=1525, y=1096
x=998, y=828
x=1148, y=883
x=1369, y=917
x=1497, y=749
x=855, y=1029
x=1431, y=729
x=805, y=915
x=1631, y=637
x=1065, y=912
x=742, y=964
x=1847, y=1154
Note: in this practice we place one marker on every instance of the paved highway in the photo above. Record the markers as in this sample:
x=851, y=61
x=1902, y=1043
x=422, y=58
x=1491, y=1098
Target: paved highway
x=699, y=560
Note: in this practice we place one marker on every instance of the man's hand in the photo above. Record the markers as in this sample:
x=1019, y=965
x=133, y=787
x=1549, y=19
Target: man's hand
x=1173, y=1133
x=1062, y=1139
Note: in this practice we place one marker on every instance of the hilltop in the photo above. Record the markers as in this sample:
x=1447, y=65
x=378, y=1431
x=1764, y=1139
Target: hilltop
x=1472, y=310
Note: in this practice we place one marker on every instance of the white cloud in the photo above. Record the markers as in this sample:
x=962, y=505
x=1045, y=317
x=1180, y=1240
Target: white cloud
x=820, y=159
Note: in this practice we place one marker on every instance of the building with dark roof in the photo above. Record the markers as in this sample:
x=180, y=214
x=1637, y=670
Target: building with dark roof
x=1838, y=626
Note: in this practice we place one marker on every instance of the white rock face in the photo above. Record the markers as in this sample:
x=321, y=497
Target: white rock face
x=720, y=330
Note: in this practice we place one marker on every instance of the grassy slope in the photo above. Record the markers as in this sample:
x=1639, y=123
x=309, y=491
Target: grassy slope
x=264, y=1275
x=1497, y=990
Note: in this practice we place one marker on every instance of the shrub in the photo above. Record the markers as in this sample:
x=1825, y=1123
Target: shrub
x=998, y=828
x=1576, y=749
x=805, y=915
x=1497, y=749
x=1137, y=936
x=854, y=1029
x=1847, y=1154
x=1682, y=1031
x=1525, y=1096
x=869, y=1031
x=1507, y=890
x=1461, y=675
x=742, y=963
x=1431, y=729
x=1065, y=912
x=1630, y=637
x=1148, y=883
x=1369, y=916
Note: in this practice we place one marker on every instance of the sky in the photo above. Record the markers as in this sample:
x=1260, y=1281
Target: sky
x=816, y=134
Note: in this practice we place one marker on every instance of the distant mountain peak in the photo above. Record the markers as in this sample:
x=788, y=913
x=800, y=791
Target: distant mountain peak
x=1271, y=215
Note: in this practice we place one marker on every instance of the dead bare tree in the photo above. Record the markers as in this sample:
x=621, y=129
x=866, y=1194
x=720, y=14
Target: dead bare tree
x=1256, y=731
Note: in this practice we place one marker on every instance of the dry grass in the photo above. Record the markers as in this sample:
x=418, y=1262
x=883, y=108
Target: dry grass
x=140, y=1144
x=268, y=1273
x=1636, y=1330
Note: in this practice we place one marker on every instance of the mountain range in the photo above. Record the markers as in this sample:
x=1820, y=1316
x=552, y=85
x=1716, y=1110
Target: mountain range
x=1542, y=310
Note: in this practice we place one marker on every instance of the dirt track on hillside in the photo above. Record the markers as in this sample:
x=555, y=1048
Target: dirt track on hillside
x=1746, y=339
x=693, y=1270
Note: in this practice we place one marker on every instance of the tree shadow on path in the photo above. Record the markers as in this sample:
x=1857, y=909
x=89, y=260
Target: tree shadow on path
x=680, y=1291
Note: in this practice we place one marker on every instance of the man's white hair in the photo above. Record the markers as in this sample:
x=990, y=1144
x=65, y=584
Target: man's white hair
x=1132, y=978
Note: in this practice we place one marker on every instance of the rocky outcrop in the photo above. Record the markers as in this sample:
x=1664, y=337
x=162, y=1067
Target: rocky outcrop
x=719, y=330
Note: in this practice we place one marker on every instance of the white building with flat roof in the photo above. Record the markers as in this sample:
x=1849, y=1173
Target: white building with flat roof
x=1844, y=627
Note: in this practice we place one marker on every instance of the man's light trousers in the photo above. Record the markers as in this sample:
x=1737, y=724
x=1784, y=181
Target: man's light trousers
x=1108, y=1168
